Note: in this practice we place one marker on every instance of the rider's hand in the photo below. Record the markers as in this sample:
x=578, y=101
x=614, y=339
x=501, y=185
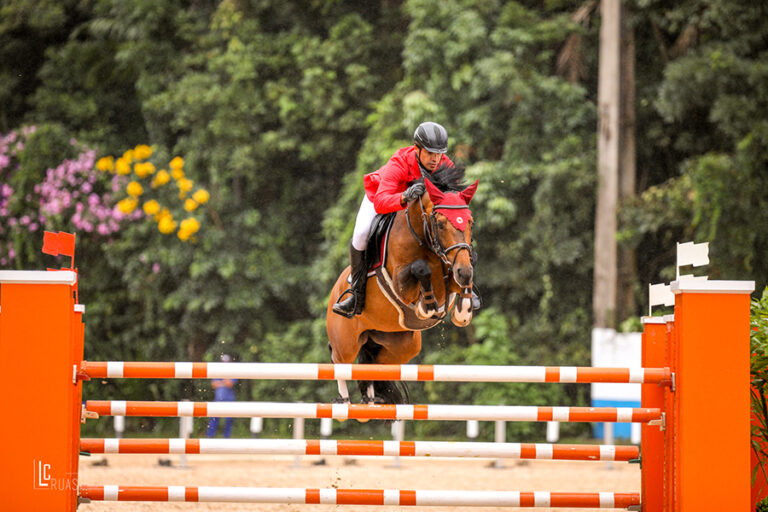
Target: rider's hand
x=413, y=192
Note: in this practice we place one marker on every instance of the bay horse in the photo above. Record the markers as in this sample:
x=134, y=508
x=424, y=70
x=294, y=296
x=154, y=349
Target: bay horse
x=427, y=273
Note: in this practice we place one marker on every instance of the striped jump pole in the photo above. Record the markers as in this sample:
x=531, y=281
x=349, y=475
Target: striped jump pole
x=362, y=448
x=405, y=372
x=373, y=411
x=362, y=496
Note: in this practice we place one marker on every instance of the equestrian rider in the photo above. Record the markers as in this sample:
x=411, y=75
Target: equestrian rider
x=387, y=190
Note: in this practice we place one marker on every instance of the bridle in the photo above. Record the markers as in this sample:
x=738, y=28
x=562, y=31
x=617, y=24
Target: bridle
x=432, y=241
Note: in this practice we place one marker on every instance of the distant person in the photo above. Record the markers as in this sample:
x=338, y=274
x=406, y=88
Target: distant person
x=223, y=391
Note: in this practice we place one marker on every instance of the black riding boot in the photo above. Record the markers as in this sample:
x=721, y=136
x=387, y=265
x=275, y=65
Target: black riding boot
x=477, y=301
x=354, y=303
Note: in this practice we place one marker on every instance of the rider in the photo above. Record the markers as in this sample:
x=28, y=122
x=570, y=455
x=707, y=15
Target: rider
x=387, y=190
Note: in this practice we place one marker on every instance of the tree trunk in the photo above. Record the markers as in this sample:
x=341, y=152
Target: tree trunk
x=627, y=273
x=605, y=273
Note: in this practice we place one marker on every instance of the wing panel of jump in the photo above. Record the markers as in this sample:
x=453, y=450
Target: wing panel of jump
x=406, y=372
x=360, y=448
x=397, y=497
x=372, y=411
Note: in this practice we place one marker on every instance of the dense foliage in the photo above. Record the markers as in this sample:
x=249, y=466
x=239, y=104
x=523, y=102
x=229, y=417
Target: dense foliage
x=278, y=109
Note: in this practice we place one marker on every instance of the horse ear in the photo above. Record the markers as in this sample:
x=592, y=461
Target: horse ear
x=434, y=193
x=469, y=192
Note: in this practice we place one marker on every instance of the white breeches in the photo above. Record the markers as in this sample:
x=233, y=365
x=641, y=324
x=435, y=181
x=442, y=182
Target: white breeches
x=365, y=216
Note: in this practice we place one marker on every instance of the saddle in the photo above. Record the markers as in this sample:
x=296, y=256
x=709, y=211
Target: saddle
x=376, y=250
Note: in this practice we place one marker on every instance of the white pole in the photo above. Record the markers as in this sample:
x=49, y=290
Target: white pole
x=257, y=424
x=398, y=433
x=473, y=429
x=326, y=427
x=500, y=436
x=298, y=433
x=634, y=437
x=185, y=429
x=608, y=440
x=119, y=426
x=553, y=431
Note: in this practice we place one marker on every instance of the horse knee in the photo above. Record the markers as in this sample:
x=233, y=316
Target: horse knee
x=421, y=271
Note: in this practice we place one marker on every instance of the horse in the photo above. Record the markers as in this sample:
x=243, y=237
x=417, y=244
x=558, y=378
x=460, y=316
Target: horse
x=427, y=273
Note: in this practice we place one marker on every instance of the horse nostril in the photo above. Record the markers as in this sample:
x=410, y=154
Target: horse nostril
x=464, y=275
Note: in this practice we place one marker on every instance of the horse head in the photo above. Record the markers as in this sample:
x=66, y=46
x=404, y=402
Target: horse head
x=450, y=227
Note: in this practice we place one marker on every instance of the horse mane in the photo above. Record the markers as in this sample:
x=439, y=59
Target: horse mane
x=448, y=178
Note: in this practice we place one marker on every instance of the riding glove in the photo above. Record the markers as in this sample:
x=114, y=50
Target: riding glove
x=414, y=191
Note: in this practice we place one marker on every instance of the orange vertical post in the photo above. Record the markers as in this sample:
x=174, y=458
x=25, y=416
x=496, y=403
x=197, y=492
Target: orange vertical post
x=710, y=428
x=38, y=357
x=652, y=437
x=669, y=412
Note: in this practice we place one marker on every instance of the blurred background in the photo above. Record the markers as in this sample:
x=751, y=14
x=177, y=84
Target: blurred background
x=209, y=155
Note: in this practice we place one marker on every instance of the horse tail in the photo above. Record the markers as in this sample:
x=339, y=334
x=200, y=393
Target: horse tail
x=386, y=391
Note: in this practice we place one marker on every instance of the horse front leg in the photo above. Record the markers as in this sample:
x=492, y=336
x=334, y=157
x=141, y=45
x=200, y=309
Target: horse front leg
x=427, y=306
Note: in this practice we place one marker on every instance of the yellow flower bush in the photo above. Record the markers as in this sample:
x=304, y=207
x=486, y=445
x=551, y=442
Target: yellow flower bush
x=189, y=227
x=122, y=166
x=127, y=205
x=106, y=164
x=201, y=196
x=142, y=152
x=157, y=202
x=144, y=169
x=161, y=178
x=134, y=189
x=166, y=225
x=151, y=207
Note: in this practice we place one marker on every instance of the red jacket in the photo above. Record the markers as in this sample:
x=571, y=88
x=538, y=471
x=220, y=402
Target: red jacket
x=385, y=186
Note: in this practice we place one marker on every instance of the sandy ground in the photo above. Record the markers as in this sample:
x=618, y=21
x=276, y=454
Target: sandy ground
x=340, y=472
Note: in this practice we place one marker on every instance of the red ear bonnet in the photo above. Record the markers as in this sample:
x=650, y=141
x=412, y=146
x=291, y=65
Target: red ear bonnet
x=454, y=206
x=434, y=193
x=469, y=192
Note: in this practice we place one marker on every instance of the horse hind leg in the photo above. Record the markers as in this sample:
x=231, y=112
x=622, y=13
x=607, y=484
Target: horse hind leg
x=382, y=392
x=427, y=305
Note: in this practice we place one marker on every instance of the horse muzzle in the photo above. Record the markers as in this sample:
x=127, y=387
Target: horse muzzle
x=462, y=274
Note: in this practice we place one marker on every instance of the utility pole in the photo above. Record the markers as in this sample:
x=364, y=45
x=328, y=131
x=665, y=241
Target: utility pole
x=609, y=129
x=627, y=263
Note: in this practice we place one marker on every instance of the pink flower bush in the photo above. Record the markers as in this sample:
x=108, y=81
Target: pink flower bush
x=74, y=195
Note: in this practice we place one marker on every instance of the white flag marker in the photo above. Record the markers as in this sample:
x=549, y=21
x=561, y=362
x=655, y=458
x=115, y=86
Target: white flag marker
x=690, y=253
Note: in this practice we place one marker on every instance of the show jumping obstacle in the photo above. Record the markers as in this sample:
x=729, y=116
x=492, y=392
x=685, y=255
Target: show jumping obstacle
x=404, y=372
x=362, y=448
x=370, y=411
x=361, y=496
x=41, y=342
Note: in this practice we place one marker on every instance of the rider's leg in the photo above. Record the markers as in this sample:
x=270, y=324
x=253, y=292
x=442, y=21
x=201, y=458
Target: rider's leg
x=354, y=303
x=477, y=301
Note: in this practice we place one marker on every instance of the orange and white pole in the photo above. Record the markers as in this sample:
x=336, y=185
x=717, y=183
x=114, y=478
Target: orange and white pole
x=315, y=371
x=395, y=497
x=372, y=411
x=363, y=448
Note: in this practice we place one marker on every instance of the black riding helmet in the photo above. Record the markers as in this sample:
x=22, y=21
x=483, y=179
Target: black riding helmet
x=432, y=137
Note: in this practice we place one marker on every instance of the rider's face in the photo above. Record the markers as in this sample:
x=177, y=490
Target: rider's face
x=428, y=160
